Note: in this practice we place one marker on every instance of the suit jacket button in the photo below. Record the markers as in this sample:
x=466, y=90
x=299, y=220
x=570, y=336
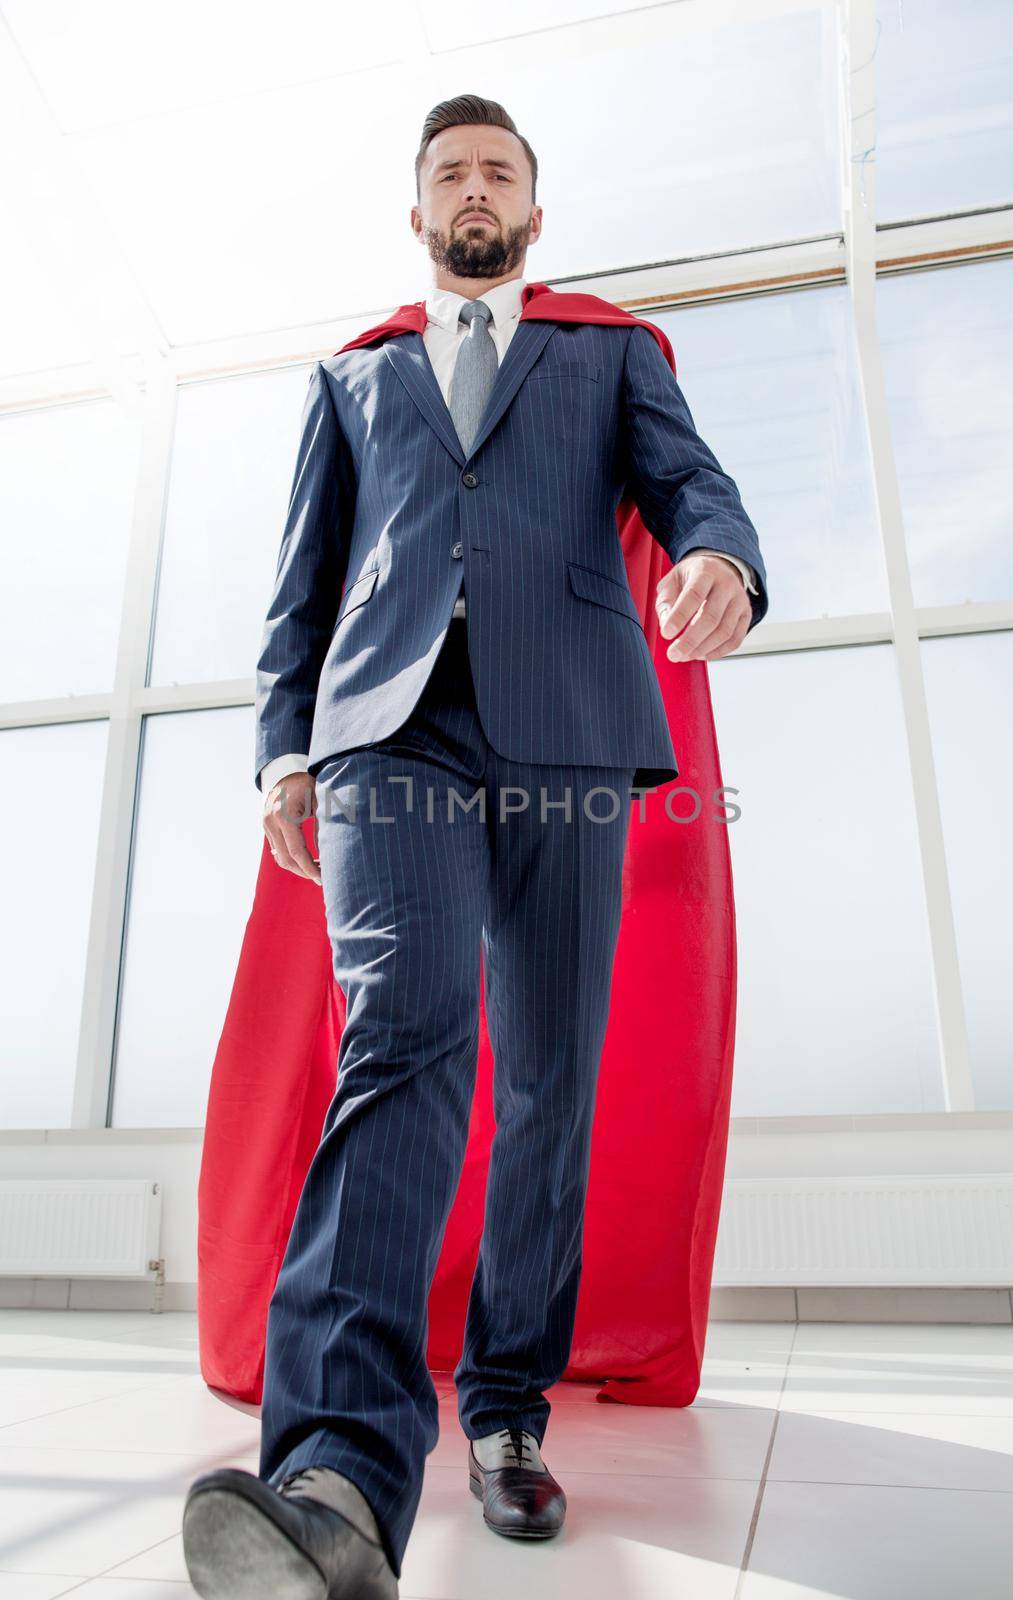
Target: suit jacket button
x=456, y=551
x=470, y=479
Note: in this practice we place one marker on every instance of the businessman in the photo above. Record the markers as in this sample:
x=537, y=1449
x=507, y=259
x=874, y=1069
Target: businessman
x=454, y=682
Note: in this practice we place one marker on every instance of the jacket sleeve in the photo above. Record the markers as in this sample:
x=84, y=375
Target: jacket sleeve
x=312, y=563
x=685, y=499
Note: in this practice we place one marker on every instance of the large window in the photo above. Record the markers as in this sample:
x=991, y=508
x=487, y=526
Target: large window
x=814, y=201
x=835, y=1005
x=773, y=387
x=67, y=481
x=947, y=339
x=943, y=74
x=232, y=458
x=197, y=847
x=968, y=679
x=52, y=778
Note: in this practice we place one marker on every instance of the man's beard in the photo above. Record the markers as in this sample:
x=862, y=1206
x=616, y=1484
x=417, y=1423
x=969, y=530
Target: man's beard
x=478, y=255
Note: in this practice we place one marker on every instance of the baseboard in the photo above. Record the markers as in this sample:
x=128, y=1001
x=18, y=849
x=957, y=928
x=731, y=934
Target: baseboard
x=95, y=1294
x=748, y=1303
x=855, y=1303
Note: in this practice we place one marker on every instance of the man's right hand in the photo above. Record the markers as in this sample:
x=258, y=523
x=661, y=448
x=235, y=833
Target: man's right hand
x=286, y=808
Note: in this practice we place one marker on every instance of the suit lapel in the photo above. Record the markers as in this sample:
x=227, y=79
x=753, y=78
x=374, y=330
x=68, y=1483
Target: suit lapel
x=410, y=360
x=408, y=356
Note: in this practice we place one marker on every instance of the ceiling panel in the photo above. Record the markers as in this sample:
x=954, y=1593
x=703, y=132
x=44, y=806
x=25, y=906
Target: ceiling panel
x=451, y=24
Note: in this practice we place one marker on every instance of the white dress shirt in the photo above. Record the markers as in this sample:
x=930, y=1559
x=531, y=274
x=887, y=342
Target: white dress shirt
x=442, y=337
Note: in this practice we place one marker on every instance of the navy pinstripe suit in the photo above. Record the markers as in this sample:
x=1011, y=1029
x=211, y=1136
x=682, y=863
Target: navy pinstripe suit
x=545, y=690
x=385, y=500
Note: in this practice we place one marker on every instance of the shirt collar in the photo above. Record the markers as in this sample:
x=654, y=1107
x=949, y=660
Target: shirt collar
x=443, y=306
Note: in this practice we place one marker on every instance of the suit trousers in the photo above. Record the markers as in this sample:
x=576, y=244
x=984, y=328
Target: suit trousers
x=436, y=852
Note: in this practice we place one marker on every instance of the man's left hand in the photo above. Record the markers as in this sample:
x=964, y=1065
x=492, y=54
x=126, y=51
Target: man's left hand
x=703, y=600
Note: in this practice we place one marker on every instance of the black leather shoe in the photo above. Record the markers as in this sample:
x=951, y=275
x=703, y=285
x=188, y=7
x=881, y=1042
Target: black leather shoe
x=521, y=1502
x=245, y=1540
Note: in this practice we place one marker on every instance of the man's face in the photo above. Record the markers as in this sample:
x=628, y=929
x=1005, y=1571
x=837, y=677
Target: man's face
x=475, y=214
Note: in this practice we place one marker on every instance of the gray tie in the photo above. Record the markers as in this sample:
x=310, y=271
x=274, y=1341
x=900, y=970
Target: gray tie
x=474, y=372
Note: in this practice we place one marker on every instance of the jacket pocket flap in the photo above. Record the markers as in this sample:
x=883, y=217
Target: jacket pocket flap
x=604, y=591
x=359, y=591
x=571, y=369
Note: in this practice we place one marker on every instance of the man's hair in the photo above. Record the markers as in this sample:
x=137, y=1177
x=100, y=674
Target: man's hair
x=466, y=109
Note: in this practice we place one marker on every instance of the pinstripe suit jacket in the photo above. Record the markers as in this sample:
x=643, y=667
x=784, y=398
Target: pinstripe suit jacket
x=385, y=503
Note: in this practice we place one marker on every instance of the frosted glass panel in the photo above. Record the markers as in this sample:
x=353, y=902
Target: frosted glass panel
x=947, y=341
x=967, y=680
x=836, y=1011
x=47, y=873
x=655, y=136
x=233, y=457
x=773, y=390
x=38, y=326
x=944, y=119
x=196, y=856
x=660, y=138
x=114, y=60
x=67, y=485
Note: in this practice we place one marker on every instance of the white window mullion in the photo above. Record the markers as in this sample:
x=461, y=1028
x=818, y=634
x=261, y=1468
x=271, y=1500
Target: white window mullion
x=858, y=122
x=122, y=774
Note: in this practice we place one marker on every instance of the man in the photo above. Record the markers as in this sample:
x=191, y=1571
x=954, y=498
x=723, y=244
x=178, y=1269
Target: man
x=452, y=719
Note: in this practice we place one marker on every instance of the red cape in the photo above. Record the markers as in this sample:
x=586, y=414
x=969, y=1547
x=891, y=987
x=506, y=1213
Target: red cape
x=661, y=1126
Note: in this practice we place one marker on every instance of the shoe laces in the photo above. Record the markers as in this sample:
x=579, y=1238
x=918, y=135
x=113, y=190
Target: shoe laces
x=521, y=1447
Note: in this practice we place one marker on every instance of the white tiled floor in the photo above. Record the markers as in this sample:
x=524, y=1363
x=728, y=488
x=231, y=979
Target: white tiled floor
x=837, y=1460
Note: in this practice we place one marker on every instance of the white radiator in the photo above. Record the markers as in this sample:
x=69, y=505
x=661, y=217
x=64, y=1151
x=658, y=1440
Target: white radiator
x=80, y=1227
x=793, y=1231
x=910, y=1230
